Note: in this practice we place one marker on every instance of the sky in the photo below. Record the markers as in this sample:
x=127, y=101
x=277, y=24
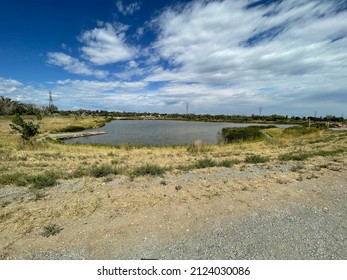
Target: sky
x=286, y=57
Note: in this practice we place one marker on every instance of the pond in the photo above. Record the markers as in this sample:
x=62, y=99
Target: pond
x=157, y=132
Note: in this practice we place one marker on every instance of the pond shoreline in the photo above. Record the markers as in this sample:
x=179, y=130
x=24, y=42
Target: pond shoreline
x=71, y=135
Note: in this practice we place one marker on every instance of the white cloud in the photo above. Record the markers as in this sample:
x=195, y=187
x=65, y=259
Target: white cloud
x=73, y=65
x=106, y=44
x=288, y=47
x=129, y=9
x=8, y=86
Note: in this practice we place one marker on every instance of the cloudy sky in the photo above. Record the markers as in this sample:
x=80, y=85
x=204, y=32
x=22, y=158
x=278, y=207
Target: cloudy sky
x=286, y=57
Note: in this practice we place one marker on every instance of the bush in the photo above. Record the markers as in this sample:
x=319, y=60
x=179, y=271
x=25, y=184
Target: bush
x=44, y=180
x=26, y=129
x=71, y=128
x=250, y=133
x=297, y=156
x=198, y=147
x=204, y=163
x=38, y=181
x=102, y=170
x=51, y=229
x=228, y=162
x=256, y=159
x=148, y=169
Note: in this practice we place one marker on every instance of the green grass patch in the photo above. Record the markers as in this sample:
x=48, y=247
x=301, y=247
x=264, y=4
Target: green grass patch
x=228, y=162
x=256, y=159
x=205, y=163
x=102, y=170
x=148, y=169
x=250, y=133
x=38, y=181
x=300, y=156
x=300, y=130
x=296, y=156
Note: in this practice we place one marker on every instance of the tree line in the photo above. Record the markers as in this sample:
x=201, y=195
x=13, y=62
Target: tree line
x=11, y=107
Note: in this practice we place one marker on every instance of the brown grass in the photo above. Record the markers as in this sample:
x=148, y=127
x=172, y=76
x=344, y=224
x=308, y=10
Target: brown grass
x=80, y=194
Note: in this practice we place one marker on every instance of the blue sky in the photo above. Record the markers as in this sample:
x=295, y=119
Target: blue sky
x=222, y=57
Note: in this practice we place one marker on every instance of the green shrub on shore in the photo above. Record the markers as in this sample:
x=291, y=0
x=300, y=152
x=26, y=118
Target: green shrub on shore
x=71, y=128
x=250, y=133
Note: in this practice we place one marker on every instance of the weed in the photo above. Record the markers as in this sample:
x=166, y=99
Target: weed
x=204, y=163
x=294, y=156
x=178, y=187
x=250, y=133
x=44, y=180
x=297, y=168
x=229, y=162
x=148, y=169
x=38, y=181
x=187, y=167
x=163, y=183
x=18, y=179
x=51, y=229
x=71, y=128
x=256, y=159
x=102, y=170
x=5, y=203
x=198, y=147
x=37, y=195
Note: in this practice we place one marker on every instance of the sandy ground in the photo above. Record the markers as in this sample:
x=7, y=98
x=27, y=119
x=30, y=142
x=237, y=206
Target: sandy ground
x=253, y=212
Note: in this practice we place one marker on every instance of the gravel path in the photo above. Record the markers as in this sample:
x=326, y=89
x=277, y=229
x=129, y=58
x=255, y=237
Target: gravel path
x=296, y=231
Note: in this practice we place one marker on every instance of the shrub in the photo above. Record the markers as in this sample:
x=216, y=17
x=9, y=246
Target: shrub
x=204, y=163
x=71, y=128
x=51, y=229
x=297, y=156
x=101, y=170
x=198, y=147
x=250, y=133
x=26, y=129
x=38, y=181
x=148, y=169
x=256, y=159
x=228, y=162
x=44, y=180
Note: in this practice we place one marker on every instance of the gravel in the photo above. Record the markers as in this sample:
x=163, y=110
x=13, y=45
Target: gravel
x=298, y=232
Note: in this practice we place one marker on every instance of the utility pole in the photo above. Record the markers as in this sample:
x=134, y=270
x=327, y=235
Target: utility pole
x=50, y=100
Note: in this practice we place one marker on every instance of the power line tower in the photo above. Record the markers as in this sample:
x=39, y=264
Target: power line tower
x=50, y=100
x=187, y=108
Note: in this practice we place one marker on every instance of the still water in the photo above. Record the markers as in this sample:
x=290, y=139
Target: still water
x=156, y=132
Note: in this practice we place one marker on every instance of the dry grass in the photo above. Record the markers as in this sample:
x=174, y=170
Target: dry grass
x=86, y=169
x=74, y=161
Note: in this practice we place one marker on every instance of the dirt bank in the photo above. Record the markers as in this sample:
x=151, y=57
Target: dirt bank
x=215, y=213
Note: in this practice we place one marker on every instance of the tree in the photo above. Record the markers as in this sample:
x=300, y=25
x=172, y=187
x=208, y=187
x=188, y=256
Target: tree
x=26, y=129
